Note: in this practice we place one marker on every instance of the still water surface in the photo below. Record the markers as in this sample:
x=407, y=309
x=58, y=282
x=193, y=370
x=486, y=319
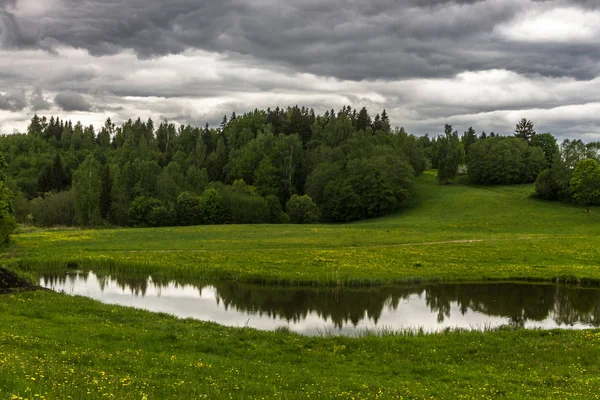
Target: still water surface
x=346, y=311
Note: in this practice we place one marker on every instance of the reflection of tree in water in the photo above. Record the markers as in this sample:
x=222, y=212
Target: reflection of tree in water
x=517, y=302
x=577, y=306
x=341, y=305
x=134, y=284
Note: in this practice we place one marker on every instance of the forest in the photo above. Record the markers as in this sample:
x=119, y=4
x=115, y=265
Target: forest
x=266, y=166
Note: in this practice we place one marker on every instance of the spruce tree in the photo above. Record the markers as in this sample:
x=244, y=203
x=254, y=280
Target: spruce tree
x=525, y=130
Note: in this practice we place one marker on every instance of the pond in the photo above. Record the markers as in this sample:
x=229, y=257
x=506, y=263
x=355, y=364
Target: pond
x=346, y=311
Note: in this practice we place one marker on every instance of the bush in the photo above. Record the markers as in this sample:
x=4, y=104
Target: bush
x=276, y=214
x=188, y=209
x=140, y=208
x=162, y=216
x=211, y=207
x=545, y=186
x=302, y=210
x=53, y=209
x=242, y=205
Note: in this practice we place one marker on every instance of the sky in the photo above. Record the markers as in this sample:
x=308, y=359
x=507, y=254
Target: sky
x=485, y=64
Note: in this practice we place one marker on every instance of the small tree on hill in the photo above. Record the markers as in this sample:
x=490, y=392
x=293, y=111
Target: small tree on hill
x=585, y=183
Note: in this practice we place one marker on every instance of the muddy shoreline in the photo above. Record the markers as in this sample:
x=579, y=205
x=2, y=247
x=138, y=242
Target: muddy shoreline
x=10, y=283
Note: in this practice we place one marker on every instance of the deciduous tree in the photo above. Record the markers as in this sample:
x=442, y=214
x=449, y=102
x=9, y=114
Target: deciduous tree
x=585, y=183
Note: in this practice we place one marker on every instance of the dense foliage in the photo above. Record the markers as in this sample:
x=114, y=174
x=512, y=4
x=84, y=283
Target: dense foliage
x=7, y=222
x=244, y=171
x=449, y=153
x=556, y=182
x=585, y=183
x=504, y=161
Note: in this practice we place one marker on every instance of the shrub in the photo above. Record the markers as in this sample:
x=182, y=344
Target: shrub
x=242, y=205
x=302, y=210
x=53, y=209
x=211, y=207
x=545, y=186
x=140, y=208
x=276, y=214
x=188, y=209
x=162, y=216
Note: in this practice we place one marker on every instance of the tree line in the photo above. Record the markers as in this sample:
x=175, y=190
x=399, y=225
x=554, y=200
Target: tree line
x=569, y=172
x=266, y=166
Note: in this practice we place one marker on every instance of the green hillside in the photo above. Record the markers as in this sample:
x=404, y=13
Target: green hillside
x=450, y=232
x=58, y=346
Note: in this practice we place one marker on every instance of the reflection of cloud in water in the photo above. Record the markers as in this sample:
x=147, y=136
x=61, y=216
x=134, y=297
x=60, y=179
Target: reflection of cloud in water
x=346, y=311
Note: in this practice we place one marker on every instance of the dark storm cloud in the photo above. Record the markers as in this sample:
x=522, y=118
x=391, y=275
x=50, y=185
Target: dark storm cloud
x=72, y=101
x=11, y=33
x=348, y=39
x=13, y=101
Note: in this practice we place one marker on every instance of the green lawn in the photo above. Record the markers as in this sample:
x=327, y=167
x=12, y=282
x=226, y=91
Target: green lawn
x=56, y=346
x=451, y=232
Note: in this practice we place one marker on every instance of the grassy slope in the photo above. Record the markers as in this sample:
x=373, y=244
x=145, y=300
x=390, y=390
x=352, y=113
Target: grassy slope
x=452, y=232
x=58, y=346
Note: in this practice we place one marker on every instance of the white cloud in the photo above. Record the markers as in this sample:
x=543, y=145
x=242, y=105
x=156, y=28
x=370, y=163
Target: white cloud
x=557, y=25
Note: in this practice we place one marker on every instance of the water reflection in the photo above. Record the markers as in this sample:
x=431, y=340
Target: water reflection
x=346, y=310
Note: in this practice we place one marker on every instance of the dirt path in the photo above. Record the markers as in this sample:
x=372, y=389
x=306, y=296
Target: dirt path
x=374, y=246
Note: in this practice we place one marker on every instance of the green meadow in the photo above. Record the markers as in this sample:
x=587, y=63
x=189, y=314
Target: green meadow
x=57, y=346
x=448, y=232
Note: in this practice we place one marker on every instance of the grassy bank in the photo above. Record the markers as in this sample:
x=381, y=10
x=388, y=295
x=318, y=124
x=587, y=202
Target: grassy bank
x=453, y=232
x=56, y=346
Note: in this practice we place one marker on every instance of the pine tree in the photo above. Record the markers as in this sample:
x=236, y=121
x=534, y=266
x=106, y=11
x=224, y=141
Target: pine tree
x=385, y=122
x=363, y=121
x=377, y=125
x=469, y=137
x=224, y=123
x=524, y=130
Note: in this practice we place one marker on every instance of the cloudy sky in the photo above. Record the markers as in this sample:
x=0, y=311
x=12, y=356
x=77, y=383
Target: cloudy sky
x=483, y=63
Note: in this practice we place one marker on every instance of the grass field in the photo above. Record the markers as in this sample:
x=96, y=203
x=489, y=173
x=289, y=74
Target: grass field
x=452, y=232
x=60, y=347
x=56, y=346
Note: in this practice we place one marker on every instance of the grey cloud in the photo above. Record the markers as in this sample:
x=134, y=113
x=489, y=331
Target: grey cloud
x=347, y=39
x=11, y=33
x=72, y=101
x=13, y=101
x=38, y=102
